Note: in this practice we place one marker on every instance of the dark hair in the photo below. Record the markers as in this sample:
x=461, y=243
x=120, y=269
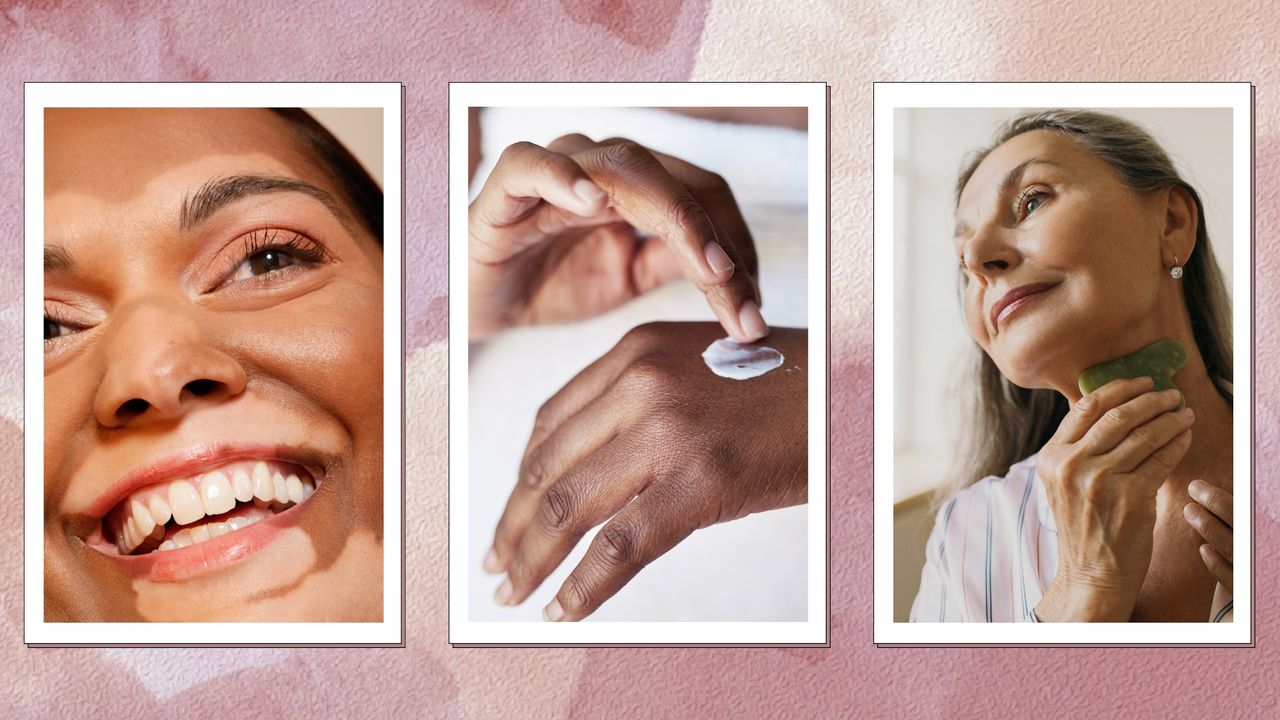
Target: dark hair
x=355, y=184
x=1010, y=423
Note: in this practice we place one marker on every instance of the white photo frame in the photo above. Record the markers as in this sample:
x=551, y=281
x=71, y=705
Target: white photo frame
x=463, y=557
x=889, y=98
x=385, y=96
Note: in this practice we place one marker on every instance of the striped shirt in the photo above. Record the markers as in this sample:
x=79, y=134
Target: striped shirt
x=993, y=553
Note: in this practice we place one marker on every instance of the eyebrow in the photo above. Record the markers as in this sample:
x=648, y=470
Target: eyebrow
x=1010, y=179
x=217, y=194
x=57, y=259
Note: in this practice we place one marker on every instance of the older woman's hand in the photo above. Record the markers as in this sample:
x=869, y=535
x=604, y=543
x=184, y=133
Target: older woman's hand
x=1210, y=515
x=1101, y=472
x=650, y=433
x=555, y=236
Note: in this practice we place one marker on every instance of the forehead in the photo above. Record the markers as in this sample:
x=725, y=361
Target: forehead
x=113, y=147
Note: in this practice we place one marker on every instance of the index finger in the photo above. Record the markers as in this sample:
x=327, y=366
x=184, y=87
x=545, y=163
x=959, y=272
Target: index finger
x=1087, y=410
x=646, y=195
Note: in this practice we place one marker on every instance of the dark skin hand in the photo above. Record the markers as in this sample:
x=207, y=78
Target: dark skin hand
x=650, y=437
x=554, y=236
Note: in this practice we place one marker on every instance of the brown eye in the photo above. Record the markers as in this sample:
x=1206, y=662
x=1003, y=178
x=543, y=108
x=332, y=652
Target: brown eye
x=262, y=263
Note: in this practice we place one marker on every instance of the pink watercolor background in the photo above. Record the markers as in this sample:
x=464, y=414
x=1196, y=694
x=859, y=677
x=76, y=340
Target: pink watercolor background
x=849, y=44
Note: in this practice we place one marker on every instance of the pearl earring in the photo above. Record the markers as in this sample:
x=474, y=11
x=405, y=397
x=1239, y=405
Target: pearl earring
x=1175, y=272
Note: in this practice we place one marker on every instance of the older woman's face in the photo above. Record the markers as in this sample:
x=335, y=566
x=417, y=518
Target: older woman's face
x=213, y=355
x=1061, y=262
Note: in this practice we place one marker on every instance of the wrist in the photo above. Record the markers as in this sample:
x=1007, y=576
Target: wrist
x=1083, y=601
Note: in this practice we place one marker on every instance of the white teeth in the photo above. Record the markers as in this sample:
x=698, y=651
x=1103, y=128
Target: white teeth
x=142, y=518
x=294, y=486
x=143, y=521
x=263, y=489
x=185, y=502
x=216, y=492
x=242, y=486
x=160, y=512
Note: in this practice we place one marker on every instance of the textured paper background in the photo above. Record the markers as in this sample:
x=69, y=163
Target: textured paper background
x=849, y=44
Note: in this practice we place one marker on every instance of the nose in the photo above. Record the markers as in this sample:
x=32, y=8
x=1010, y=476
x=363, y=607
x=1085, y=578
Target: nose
x=988, y=253
x=160, y=366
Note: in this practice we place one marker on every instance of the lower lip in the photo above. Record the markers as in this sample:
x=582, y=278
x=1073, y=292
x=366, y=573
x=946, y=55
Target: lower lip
x=1016, y=304
x=168, y=566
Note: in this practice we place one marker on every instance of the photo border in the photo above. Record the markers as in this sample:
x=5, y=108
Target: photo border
x=889, y=97
x=389, y=632
x=815, y=630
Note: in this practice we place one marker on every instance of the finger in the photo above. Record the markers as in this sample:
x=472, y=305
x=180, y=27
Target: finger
x=1156, y=468
x=572, y=143
x=525, y=177
x=713, y=192
x=1219, y=567
x=1213, y=498
x=647, y=196
x=1214, y=531
x=653, y=265
x=585, y=497
x=1086, y=411
x=1122, y=421
x=643, y=531
x=543, y=466
x=1142, y=441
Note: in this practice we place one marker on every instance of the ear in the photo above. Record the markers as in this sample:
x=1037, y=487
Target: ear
x=1181, y=218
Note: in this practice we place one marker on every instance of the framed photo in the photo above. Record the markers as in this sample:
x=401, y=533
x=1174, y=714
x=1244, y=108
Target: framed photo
x=213, y=452
x=616, y=251
x=1037, y=245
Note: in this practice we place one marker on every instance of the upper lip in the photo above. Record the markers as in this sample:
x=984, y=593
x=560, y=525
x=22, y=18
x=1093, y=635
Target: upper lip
x=190, y=461
x=1013, y=295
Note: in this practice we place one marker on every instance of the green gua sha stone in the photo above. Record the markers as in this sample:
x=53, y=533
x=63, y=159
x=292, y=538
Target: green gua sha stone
x=1158, y=361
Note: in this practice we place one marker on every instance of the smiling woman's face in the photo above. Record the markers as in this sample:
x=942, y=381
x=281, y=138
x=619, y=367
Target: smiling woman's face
x=1063, y=265
x=213, y=355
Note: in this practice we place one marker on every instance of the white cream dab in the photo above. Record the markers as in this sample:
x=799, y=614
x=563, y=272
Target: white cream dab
x=730, y=359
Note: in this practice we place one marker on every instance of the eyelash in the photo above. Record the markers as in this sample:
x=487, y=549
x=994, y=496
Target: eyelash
x=299, y=246
x=302, y=248
x=1020, y=204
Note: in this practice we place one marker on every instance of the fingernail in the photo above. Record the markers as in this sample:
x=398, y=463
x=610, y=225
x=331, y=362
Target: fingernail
x=491, y=565
x=553, y=612
x=1196, y=487
x=504, y=592
x=1190, y=513
x=752, y=321
x=717, y=259
x=588, y=192
x=1204, y=551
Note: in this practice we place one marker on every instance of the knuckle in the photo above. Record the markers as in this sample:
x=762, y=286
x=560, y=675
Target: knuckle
x=687, y=214
x=577, y=595
x=1087, y=404
x=619, y=545
x=535, y=467
x=645, y=375
x=517, y=150
x=557, y=509
x=642, y=336
x=627, y=156
x=1118, y=416
x=571, y=139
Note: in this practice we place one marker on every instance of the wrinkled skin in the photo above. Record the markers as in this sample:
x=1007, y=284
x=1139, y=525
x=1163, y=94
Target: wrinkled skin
x=649, y=437
x=1041, y=211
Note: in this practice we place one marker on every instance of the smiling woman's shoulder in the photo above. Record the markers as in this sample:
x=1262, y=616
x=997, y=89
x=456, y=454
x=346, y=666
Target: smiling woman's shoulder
x=985, y=555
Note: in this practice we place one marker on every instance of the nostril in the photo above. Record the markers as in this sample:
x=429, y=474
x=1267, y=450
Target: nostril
x=201, y=388
x=136, y=406
x=999, y=264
